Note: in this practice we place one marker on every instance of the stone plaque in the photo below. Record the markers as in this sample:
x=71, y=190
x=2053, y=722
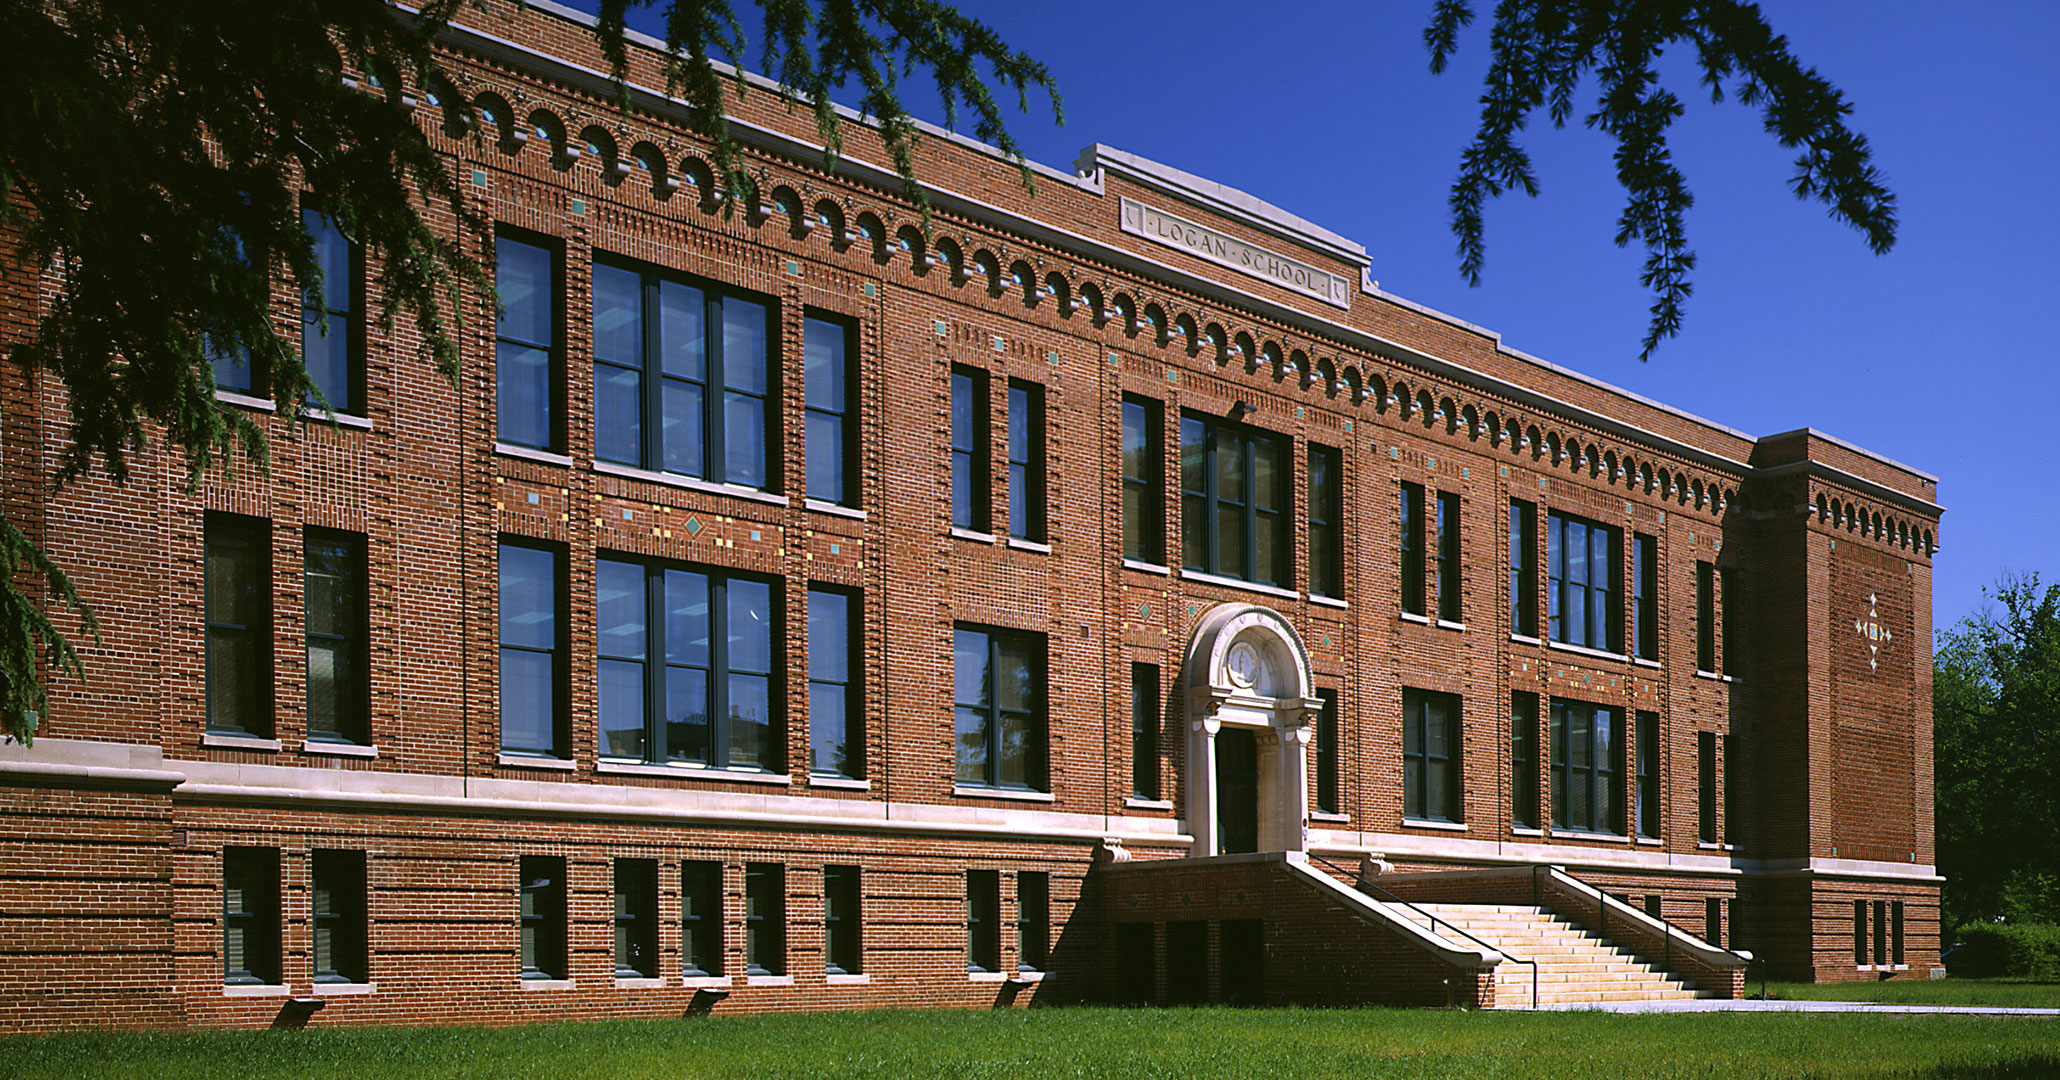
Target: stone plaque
x=1206, y=243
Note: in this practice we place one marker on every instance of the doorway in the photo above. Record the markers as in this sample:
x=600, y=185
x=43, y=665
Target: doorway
x=1237, y=791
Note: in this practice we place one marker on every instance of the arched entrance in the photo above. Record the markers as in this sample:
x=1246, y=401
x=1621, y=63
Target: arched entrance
x=1249, y=703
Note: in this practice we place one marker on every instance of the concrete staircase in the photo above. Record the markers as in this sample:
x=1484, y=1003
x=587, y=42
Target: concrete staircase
x=1574, y=966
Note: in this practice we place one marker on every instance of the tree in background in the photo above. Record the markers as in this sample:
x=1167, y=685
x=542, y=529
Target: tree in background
x=1996, y=724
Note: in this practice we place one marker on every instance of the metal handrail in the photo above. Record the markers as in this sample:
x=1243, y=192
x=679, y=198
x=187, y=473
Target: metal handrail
x=1360, y=883
x=1667, y=930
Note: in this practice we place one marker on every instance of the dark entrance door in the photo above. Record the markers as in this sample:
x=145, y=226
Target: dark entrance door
x=1237, y=791
x=1244, y=961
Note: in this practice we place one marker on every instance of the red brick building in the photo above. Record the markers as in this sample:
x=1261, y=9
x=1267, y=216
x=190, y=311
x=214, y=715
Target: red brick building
x=790, y=608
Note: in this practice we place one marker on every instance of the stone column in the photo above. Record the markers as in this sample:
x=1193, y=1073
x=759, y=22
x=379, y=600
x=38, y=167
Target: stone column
x=1294, y=784
x=1201, y=783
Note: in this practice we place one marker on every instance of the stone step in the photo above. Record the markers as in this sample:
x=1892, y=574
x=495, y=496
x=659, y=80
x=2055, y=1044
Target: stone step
x=1573, y=965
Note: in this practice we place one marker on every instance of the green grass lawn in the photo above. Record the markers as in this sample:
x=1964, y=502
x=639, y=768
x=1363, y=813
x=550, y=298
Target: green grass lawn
x=1127, y=1044
x=2015, y=993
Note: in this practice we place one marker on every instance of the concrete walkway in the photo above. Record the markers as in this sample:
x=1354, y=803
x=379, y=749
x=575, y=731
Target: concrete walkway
x=1755, y=1005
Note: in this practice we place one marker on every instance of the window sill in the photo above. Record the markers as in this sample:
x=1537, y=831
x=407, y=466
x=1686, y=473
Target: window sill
x=220, y=741
x=257, y=990
x=541, y=457
x=1411, y=616
x=246, y=401
x=547, y=984
x=847, y=980
x=638, y=983
x=1233, y=583
x=964, y=792
x=1027, y=977
x=1583, y=650
x=987, y=976
x=1328, y=601
x=768, y=980
x=1029, y=545
x=1447, y=624
x=1584, y=834
x=1425, y=823
x=609, y=468
x=1518, y=830
x=1710, y=675
x=1651, y=841
x=1525, y=639
x=1147, y=804
x=1643, y=662
x=840, y=783
x=968, y=534
x=345, y=989
x=1329, y=818
x=1146, y=567
x=1704, y=845
x=319, y=748
x=705, y=982
x=1730, y=679
x=834, y=509
x=532, y=761
x=690, y=772
x=348, y=420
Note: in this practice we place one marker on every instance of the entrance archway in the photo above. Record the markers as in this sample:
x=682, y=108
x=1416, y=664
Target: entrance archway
x=1248, y=676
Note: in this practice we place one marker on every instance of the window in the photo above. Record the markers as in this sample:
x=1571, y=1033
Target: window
x=1144, y=470
x=331, y=335
x=1523, y=759
x=983, y=920
x=542, y=880
x=1234, y=500
x=1713, y=921
x=1033, y=920
x=1430, y=756
x=1587, y=749
x=1412, y=548
x=1860, y=955
x=1326, y=795
x=836, y=740
x=680, y=376
x=1523, y=575
x=339, y=916
x=1648, y=774
x=1706, y=795
x=1652, y=906
x=1895, y=917
x=1732, y=660
x=701, y=919
x=999, y=708
x=239, y=625
x=232, y=361
x=636, y=919
x=1026, y=460
x=1581, y=559
x=339, y=704
x=829, y=397
x=1732, y=826
x=694, y=685
x=526, y=361
x=765, y=919
x=1645, y=596
x=250, y=915
x=1881, y=932
x=533, y=650
x=1448, y=557
x=970, y=473
x=841, y=921
x=1144, y=731
x=1705, y=618
x=1326, y=502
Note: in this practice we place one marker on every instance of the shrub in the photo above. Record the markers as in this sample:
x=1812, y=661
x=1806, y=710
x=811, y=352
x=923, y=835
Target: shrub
x=2028, y=950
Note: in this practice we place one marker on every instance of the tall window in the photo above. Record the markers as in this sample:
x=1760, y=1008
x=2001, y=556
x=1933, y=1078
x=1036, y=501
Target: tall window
x=1523, y=759
x=1706, y=786
x=232, y=364
x=542, y=882
x=250, y=915
x=1327, y=795
x=526, y=346
x=1895, y=920
x=1705, y=617
x=842, y=923
x=1411, y=535
x=533, y=650
x=1732, y=660
x=1026, y=460
x=694, y=685
x=1234, y=502
x=339, y=917
x=1448, y=557
x=999, y=708
x=1033, y=920
x=1523, y=574
x=1587, y=754
x=239, y=625
x=1581, y=559
x=831, y=401
x=701, y=918
x=1144, y=470
x=765, y=919
x=1430, y=756
x=970, y=473
x=836, y=741
x=1732, y=826
x=1326, y=504
x=680, y=376
x=1881, y=931
x=334, y=583
x=636, y=919
x=1860, y=955
x=1645, y=596
x=1648, y=774
x=331, y=336
x=1713, y=921
x=1144, y=731
x=983, y=920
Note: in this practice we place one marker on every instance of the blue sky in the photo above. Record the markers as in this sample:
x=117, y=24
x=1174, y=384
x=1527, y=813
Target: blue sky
x=1936, y=355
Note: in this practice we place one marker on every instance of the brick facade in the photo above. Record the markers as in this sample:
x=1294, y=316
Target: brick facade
x=119, y=817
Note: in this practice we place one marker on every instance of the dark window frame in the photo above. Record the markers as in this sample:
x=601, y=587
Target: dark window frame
x=541, y=911
x=241, y=536
x=1326, y=521
x=1028, y=509
x=635, y=888
x=1420, y=766
x=1713, y=921
x=1706, y=830
x=1647, y=803
x=1523, y=572
x=1523, y=759
x=1146, y=716
x=850, y=726
x=1037, y=765
x=1410, y=542
x=251, y=916
x=983, y=920
x=353, y=699
x=846, y=441
x=972, y=468
x=1204, y=506
x=1645, y=596
x=1144, y=492
x=1328, y=754
x=351, y=314
x=701, y=919
x=765, y=918
x=1600, y=768
x=1860, y=956
x=1450, y=608
x=554, y=389
x=1705, y=618
x=338, y=914
x=1600, y=602
x=560, y=652
x=843, y=920
x=1729, y=659
x=1033, y=920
